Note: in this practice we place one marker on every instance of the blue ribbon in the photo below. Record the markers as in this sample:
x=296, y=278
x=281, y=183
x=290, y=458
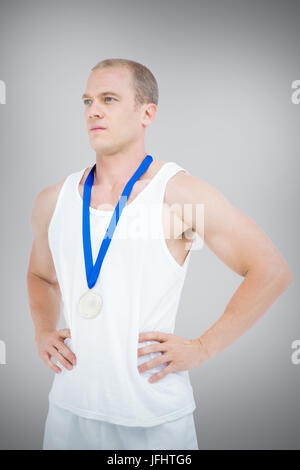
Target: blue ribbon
x=92, y=272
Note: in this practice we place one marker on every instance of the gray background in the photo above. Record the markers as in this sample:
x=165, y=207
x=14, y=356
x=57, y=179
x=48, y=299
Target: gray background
x=224, y=71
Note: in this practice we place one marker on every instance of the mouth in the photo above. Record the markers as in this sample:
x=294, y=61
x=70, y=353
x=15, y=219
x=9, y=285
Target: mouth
x=98, y=129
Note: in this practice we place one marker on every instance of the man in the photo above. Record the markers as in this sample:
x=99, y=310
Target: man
x=103, y=398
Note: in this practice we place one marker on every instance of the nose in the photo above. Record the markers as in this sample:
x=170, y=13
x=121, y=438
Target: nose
x=95, y=113
x=94, y=110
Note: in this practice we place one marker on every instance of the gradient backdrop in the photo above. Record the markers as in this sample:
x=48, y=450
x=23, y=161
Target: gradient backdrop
x=225, y=71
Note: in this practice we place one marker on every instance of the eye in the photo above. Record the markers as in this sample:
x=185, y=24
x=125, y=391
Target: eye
x=85, y=101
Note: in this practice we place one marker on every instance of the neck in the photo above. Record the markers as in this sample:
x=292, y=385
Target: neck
x=113, y=170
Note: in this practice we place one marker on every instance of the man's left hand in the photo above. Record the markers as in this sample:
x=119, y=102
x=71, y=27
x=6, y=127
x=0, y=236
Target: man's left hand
x=180, y=353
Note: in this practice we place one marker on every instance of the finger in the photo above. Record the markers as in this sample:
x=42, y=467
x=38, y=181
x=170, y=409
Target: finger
x=157, y=361
x=65, y=351
x=150, y=348
x=64, y=333
x=49, y=363
x=153, y=335
x=59, y=357
x=159, y=375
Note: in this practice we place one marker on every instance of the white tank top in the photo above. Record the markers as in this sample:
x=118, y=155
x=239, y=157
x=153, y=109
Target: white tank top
x=140, y=283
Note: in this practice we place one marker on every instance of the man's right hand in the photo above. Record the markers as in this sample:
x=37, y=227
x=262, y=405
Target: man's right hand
x=51, y=344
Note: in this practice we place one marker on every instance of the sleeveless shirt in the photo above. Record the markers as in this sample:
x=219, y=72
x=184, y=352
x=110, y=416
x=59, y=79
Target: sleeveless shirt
x=140, y=283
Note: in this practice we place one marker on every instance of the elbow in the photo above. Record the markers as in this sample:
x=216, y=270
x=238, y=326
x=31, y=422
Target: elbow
x=283, y=275
x=278, y=272
x=287, y=277
x=284, y=272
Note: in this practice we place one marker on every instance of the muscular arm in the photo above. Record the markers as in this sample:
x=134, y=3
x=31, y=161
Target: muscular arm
x=44, y=294
x=43, y=290
x=237, y=241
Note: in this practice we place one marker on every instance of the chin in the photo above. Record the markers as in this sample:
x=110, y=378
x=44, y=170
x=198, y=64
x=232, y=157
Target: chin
x=96, y=145
x=99, y=148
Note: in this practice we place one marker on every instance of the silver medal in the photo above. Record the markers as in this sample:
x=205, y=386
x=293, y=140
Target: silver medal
x=90, y=304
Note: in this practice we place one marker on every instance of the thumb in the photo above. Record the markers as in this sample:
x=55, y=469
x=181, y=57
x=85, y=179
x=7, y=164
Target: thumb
x=65, y=333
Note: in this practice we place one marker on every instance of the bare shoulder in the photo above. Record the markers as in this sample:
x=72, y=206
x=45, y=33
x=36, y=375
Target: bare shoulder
x=183, y=191
x=184, y=188
x=195, y=200
x=43, y=207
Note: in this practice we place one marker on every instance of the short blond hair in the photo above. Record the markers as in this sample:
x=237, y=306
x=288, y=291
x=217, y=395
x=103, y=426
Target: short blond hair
x=144, y=82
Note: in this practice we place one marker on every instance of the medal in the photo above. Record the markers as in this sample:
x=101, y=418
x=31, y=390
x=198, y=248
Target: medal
x=90, y=303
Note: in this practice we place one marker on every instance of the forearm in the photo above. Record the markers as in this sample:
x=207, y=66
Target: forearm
x=255, y=295
x=44, y=303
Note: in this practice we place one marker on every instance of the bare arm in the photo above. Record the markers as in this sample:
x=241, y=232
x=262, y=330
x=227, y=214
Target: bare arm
x=44, y=294
x=237, y=241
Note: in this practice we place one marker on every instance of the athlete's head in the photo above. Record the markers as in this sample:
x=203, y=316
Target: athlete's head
x=121, y=96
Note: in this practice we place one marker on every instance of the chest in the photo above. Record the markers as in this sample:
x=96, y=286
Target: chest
x=103, y=198
x=177, y=235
